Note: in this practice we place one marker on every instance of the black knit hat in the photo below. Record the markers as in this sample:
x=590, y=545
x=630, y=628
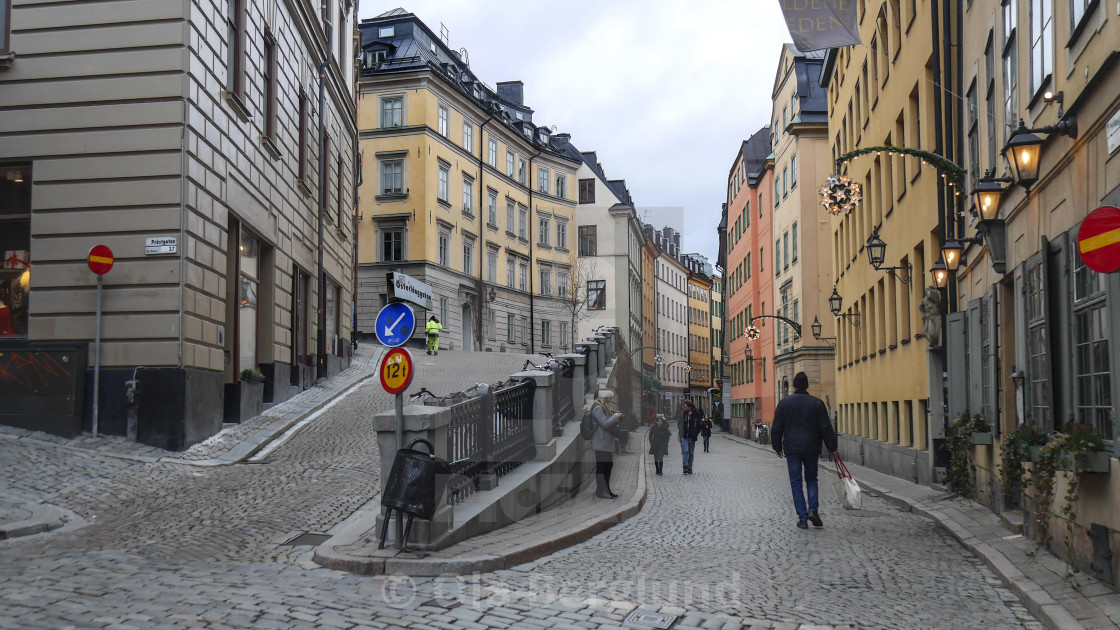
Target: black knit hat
x=801, y=381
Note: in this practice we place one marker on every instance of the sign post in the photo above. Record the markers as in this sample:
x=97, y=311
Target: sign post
x=396, y=375
x=100, y=261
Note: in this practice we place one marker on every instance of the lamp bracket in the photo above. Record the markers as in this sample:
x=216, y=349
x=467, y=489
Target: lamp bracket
x=1066, y=127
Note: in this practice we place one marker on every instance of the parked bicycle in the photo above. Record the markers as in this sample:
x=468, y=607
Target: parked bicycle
x=761, y=433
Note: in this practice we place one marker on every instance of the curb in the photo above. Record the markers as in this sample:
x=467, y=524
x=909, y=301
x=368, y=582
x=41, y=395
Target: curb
x=44, y=518
x=1039, y=602
x=327, y=557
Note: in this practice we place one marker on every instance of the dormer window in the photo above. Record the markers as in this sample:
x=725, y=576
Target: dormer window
x=386, y=31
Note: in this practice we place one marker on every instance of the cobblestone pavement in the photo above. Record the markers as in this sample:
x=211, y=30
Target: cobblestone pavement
x=176, y=546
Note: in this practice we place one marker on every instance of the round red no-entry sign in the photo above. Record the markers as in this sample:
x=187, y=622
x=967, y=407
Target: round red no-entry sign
x=100, y=260
x=1098, y=240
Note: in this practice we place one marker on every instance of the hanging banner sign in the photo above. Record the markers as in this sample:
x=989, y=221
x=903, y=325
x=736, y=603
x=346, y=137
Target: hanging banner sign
x=820, y=24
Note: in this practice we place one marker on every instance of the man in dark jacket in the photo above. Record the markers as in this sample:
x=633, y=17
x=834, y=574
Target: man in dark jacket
x=800, y=423
x=688, y=428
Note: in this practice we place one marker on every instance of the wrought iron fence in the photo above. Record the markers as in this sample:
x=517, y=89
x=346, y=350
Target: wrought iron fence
x=489, y=435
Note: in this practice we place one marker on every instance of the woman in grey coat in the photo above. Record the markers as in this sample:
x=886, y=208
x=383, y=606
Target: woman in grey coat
x=602, y=442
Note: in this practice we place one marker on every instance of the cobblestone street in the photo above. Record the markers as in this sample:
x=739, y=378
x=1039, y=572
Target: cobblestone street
x=169, y=545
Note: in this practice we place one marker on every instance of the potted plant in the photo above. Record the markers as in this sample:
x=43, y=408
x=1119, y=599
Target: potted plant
x=976, y=427
x=253, y=375
x=1021, y=445
x=1082, y=451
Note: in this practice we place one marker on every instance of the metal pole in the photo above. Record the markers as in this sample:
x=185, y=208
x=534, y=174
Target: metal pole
x=97, y=355
x=399, y=403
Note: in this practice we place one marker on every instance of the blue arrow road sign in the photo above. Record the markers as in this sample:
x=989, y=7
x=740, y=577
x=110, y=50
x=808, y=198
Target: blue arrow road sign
x=394, y=324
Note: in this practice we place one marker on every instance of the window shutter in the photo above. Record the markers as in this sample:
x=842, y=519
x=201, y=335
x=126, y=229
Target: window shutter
x=955, y=364
x=975, y=350
x=992, y=304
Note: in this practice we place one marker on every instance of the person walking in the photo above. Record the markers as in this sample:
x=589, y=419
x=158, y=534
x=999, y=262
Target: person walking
x=800, y=424
x=433, y=328
x=706, y=431
x=602, y=442
x=659, y=435
x=688, y=429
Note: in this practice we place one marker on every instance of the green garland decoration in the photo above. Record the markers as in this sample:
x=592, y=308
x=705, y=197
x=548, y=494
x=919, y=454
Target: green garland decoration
x=952, y=173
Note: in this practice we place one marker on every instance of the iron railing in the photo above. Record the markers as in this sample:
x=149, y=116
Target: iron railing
x=563, y=407
x=489, y=436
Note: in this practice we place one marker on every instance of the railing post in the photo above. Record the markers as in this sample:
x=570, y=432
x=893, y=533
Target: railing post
x=420, y=422
x=602, y=356
x=488, y=477
x=575, y=382
x=542, y=411
x=593, y=369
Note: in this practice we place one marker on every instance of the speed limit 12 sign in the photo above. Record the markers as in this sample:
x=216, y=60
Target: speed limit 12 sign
x=396, y=371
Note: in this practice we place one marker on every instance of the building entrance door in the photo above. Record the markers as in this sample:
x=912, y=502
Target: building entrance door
x=468, y=327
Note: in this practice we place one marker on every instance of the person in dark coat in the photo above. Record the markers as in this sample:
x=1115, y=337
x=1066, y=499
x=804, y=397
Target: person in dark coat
x=706, y=431
x=602, y=442
x=659, y=435
x=800, y=424
x=688, y=429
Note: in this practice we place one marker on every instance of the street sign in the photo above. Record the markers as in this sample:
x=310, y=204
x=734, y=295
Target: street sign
x=396, y=371
x=407, y=288
x=394, y=324
x=100, y=260
x=161, y=245
x=1098, y=240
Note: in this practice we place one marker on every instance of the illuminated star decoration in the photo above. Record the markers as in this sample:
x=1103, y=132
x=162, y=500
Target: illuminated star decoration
x=840, y=195
x=753, y=333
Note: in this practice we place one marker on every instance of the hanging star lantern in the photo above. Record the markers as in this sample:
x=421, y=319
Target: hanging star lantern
x=753, y=333
x=840, y=195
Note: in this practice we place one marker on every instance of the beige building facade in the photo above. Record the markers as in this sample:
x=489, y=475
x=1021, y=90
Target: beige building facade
x=201, y=150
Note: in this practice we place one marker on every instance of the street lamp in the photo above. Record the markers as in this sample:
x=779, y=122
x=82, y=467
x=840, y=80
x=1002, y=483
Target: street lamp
x=988, y=193
x=492, y=295
x=877, y=253
x=940, y=274
x=816, y=328
x=836, y=304
x=1023, y=148
x=951, y=253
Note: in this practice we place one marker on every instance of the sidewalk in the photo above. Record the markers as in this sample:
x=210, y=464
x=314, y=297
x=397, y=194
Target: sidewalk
x=22, y=515
x=353, y=546
x=1038, y=579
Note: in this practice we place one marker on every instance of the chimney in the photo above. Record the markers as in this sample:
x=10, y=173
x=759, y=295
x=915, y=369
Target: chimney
x=667, y=234
x=677, y=239
x=562, y=138
x=512, y=92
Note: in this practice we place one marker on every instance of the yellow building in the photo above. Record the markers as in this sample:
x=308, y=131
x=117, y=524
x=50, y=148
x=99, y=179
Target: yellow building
x=699, y=329
x=882, y=94
x=463, y=192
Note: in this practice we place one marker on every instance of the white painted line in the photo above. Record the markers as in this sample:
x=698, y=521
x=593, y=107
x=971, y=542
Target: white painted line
x=1012, y=536
x=299, y=425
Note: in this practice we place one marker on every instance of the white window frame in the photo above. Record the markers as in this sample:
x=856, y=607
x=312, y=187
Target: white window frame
x=444, y=122
x=398, y=116
x=561, y=233
x=468, y=136
x=492, y=155
x=544, y=229
x=468, y=195
x=543, y=176
x=443, y=187
x=382, y=175
x=492, y=208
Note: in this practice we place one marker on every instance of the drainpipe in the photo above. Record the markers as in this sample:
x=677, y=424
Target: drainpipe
x=481, y=231
x=321, y=369
x=938, y=122
x=532, y=321
x=957, y=82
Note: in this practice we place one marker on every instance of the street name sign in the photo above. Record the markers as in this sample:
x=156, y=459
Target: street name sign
x=410, y=289
x=1098, y=240
x=161, y=245
x=100, y=260
x=394, y=324
x=396, y=371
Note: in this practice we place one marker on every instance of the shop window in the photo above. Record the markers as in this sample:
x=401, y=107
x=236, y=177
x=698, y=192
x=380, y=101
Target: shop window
x=15, y=248
x=249, y=268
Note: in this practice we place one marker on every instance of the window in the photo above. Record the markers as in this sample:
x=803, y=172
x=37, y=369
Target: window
x=546, y=280
x=521, y=332
x=561, y=234
x=971, y=111
x=521, y=174
x=794, y=239
x=544, y=229
x=444, y=123
x=443, y=191
x=443, y=309
x=492, y=208
x=564, y=335
x=491, y=323
x=596, y=295
x=1042, y=42
x=511, y=327
x=385, y=31
x=563, y=280
x=509, y=272
x=248, y=265
x=1077, y=10
x=301, y=355
x=235, y=42
x=468, y=255
x=1092, y=380
x=1038, y=361
x=15, y=248
x=392, y=244
x=509, y=216
x=492, y=154
x=778, y=257
x=468, y=137
x=562, y=186
x=444, y=253
x=509, y=164
x=1010, y=68
x=785, y=181
x=270, y=79
x=793, y=171
x=392, y=177
x=587, y=191
x=523, y=276
x=392, y=111
x=522, y=222
x=777, y=191
x=492, y=265
x=542, y=180
x=302, y=139
x=468, y=195
x=587, y=244
x=761, y=259
x=546, y=333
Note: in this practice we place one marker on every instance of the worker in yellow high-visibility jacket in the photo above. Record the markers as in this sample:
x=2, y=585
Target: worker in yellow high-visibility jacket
x=432, y=328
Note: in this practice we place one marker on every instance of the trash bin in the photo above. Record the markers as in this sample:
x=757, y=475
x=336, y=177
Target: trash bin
x=415, y=484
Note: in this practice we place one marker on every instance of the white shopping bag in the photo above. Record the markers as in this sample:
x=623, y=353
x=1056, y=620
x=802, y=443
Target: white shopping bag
x=846, y=487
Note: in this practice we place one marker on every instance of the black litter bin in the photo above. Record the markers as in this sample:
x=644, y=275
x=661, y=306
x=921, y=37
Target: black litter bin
x=414, y=486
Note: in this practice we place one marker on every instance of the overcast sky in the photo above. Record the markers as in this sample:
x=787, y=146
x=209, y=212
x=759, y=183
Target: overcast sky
x=664, y=91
